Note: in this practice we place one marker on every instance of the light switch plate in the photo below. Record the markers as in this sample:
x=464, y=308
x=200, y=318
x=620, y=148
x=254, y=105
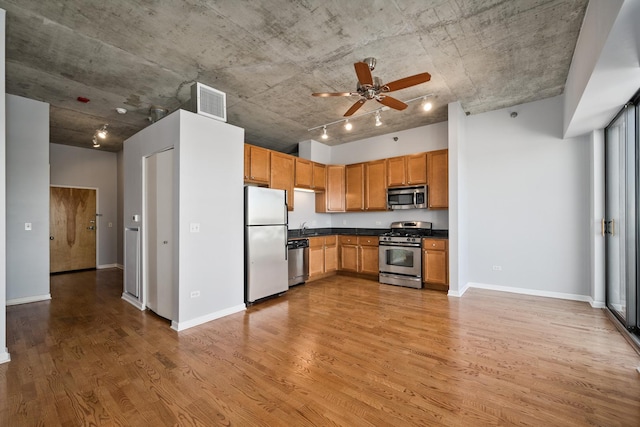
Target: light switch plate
x=194, y=227
x=27, y=226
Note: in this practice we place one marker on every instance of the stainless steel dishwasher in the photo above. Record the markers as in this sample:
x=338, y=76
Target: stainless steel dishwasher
x=298, y=261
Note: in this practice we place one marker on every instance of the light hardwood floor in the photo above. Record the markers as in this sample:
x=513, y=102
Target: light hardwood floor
x=340, y=351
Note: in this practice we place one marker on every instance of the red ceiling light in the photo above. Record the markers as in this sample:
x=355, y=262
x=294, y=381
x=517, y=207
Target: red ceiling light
x=83, y=99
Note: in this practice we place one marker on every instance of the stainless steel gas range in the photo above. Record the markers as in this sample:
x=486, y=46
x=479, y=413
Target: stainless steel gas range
x=400, y=256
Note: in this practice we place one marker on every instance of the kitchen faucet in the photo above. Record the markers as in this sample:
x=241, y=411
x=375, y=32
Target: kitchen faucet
x=303, y=228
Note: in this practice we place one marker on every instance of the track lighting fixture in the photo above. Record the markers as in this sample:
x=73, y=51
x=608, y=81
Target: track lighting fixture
x=96, y=144
x=347, y=125
x=426, y=106
x=102, y=132
x=378, y=121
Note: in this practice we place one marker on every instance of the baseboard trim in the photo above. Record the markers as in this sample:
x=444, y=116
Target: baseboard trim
x=181, y=326
x=532, y=292
x=5, y=356
x=120, y=266
x=133, y=301
x=27, y=300
x=104, y=266
x=459, y=292
x=597, y=304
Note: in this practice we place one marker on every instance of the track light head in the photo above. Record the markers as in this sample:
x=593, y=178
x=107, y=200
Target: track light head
x=378, y=121
x=102, y=132
x=348, y=125
x=324, y=132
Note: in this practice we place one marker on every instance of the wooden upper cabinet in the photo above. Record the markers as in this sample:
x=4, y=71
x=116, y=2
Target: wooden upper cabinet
x=438, y=179
x=407, y=170
x=375, y=185
x=354, y=184
x=416, y=169
x=332, y=199
x=319, y=176
x=304, y=173
x=396, y=171
x=282, y=174
x=256, y=164
x=310, y=175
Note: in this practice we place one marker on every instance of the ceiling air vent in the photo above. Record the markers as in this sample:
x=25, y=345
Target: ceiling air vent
x=209, y=102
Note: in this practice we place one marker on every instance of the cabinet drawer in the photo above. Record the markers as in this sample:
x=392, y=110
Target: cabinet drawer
x=348, y=240
x=331, y=240
x=316, y=242
x=368, y=241
x=434, y=244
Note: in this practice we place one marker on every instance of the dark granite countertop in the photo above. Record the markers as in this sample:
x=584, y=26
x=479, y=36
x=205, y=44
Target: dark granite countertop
x=313, y=232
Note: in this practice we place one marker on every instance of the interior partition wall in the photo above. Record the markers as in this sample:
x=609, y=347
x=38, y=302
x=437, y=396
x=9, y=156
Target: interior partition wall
x=620, y=225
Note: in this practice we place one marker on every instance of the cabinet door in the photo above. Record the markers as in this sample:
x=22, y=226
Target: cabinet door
x=282, y=174
x=304, y=173
x=247, y=162
x=319, y=176
x=434, y=266
x=349, y=258
x=369, y=260
x=396, y=171
x=316, y=256
x=354, y=179
x=417, y=169
x=438, y=174
x=334, y=194
x=259, y=164
x=331, y=257
x=375, y=186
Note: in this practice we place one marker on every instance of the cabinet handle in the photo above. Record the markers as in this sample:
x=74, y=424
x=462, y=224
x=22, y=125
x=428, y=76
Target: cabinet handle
x=433, y=244
x=613, y=227
x=602, y=227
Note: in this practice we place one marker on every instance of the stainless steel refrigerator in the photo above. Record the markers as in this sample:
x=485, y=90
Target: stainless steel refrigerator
x=265, y=234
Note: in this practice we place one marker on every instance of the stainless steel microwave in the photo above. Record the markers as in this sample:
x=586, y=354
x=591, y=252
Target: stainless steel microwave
x=413, y=197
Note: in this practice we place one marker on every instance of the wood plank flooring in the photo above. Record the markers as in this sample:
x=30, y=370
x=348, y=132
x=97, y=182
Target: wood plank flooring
x=340, y=351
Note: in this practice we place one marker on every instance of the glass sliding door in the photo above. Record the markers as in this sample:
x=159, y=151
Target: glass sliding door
x=620, y=223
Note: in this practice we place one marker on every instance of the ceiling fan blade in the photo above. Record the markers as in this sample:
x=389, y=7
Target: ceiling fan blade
x=364, y=73
x=354, y=107
x=326, y=94
x=391, y=102
x=406, y=82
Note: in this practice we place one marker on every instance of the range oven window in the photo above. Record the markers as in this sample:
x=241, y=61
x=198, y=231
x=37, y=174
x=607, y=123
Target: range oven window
x=400, y=257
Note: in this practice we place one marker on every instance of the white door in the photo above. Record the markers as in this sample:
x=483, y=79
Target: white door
x=159, y=231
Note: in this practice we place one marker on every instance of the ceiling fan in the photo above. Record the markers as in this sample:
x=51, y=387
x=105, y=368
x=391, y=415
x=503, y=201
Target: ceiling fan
x=370, y=87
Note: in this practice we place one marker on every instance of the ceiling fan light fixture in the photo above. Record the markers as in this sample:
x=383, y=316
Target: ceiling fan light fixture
x=348, y=125
x=378, y=121
x=324, y=133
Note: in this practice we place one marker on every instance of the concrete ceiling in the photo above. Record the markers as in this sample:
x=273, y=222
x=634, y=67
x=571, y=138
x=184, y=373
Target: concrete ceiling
x=269, y=56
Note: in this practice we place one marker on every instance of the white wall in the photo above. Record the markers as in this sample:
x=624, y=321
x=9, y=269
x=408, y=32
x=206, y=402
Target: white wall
x=90, y=168
x=27, y=200
x=305, y=211
x=458, y=200
x=528, y=202
x=596, y=204
x=211, y=194
x=4, y=352
x=208, y=158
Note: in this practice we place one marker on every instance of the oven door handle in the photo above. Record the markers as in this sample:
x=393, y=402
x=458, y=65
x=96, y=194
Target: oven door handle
x=404, y=245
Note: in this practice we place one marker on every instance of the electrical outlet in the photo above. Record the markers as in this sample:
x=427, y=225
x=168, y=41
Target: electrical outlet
x=27, y=226
x=194, y=227
x=195, y=294
x=344, y=222
x=378, y=222
x=110, y=225
x=497, y=268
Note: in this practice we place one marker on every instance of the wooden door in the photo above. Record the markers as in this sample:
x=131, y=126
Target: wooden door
x=72, y=229
x=319, y=176
x=396, y=171
x=316, y=256
x=304, y=173
x=330, y=254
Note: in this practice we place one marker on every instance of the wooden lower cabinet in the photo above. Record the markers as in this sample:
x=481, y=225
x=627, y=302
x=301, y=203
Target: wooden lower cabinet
x=359, y=254
x=435, y=264
x=323, y=257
